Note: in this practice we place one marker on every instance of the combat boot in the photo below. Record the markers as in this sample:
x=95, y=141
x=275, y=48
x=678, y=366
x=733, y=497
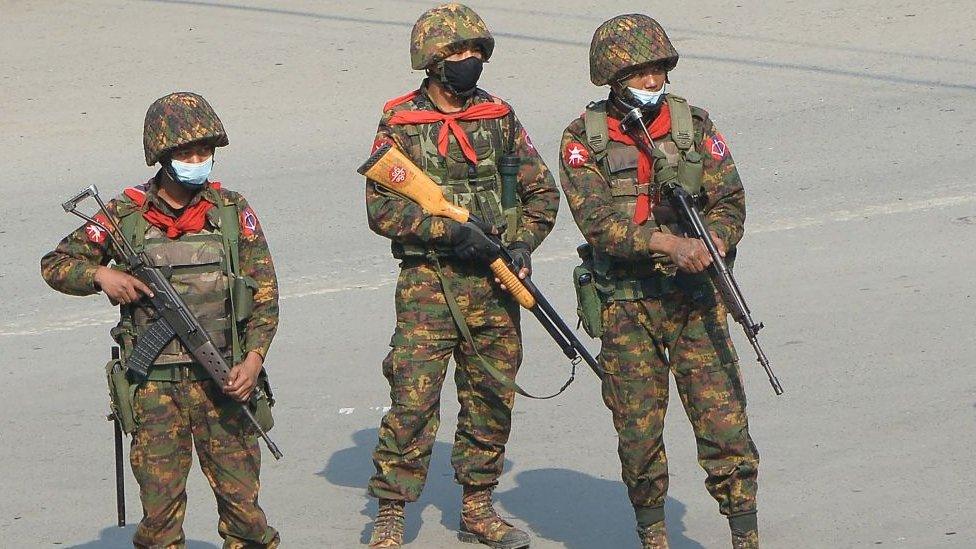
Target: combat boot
x=481, y=524
x=745, y=531
x=388, y=526
x=654, y=536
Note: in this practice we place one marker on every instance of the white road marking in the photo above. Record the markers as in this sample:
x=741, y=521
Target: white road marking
x=30, y=328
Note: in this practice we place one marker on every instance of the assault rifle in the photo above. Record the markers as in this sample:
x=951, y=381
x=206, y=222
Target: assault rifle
x=389, y=167
x=175, y=318
x=685, y=208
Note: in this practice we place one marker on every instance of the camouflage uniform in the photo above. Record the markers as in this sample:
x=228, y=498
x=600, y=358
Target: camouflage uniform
x=677, y=323
x=426, y=334
x=187, y=409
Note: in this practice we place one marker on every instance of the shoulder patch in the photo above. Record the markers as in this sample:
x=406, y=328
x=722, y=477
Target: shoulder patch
x=96, y=234
x=249, y=222
x=379, y=142
x=716, y=146
x=575, y=154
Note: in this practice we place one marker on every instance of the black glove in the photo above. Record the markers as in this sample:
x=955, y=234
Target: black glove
x=521, y=256
x=471, y=243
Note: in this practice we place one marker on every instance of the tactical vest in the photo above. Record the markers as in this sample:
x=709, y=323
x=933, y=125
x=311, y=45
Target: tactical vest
x=203, y=269
x=475, y=187
x=675, y=159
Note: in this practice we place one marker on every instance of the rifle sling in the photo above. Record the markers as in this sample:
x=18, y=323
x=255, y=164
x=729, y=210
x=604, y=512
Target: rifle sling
x=462, y=326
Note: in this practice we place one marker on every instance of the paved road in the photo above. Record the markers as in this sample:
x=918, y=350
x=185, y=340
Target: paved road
x=851, y=123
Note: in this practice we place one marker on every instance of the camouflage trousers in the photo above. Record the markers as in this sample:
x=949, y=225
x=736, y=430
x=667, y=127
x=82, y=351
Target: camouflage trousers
x=172, y=417
x=643, y=341
x=423, y=343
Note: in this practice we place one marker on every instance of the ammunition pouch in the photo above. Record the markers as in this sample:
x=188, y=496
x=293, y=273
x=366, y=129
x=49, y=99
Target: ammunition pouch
x=243, y=288
x=691, y=172
x=589, y=305
x=121, y=393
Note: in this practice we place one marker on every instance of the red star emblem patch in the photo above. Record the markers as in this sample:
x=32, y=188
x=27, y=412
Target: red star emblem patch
x=575, y=154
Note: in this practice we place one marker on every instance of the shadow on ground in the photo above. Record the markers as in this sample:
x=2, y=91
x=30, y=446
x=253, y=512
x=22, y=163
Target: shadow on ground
x=578, y=510
x=582, y=511
x=353, y=466
x=113, y=537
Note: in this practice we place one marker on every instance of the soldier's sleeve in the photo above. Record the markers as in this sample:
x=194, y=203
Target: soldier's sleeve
x=396, y=217
x=537, y=190
x=70, y=267
x=725, y=212
x=603, y=225
x=255, y=259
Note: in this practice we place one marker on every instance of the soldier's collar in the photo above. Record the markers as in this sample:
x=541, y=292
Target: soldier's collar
x=208, y=193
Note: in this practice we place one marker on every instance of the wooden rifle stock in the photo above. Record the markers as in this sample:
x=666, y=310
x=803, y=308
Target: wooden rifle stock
x=389, y=167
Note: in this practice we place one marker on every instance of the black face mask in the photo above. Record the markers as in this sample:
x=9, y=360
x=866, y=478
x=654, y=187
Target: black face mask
x=461, y=77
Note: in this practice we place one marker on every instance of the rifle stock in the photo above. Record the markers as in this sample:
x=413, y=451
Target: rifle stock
x=391, y=169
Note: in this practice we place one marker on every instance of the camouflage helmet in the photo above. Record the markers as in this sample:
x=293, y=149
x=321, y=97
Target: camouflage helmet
x=177, y=119
x=627, y=42
x=440, y=29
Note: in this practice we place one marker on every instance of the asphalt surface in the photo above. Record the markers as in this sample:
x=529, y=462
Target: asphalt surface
x=851, y=123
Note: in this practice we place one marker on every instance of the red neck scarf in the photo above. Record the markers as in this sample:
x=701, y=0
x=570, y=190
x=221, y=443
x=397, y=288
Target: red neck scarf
x=645, y=170
x=481, y=111
x=191, y=220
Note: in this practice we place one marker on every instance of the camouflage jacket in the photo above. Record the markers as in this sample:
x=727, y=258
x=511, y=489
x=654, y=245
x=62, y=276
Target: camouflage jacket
x=608, y=228
x=70, y=268
x=405, y=222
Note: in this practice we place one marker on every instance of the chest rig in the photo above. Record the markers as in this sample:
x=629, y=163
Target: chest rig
x=477, y=187
x=204, y=269
x=675, y=160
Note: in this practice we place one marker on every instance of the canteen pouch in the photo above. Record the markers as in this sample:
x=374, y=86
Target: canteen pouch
x=589, y=305
x=121, y=392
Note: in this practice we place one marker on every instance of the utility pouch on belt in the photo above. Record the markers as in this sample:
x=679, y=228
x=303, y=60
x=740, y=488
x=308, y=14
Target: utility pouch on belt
x=589, y=305
x=121, y=392
x=262, y=407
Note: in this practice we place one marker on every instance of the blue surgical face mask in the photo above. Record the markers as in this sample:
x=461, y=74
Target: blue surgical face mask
x=648, y=98
x=192, y=176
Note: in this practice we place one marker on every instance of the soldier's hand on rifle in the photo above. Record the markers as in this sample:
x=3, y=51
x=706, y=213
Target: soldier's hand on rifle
x=244, y=377
x=690, y=255
x=521, y=260
x=472, y=243
x=719, y=243
x=120, y=287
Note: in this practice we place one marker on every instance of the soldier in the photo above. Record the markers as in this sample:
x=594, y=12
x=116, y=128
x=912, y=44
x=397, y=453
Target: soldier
x=446, y=302
x=211, y=238
x=660, y=312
